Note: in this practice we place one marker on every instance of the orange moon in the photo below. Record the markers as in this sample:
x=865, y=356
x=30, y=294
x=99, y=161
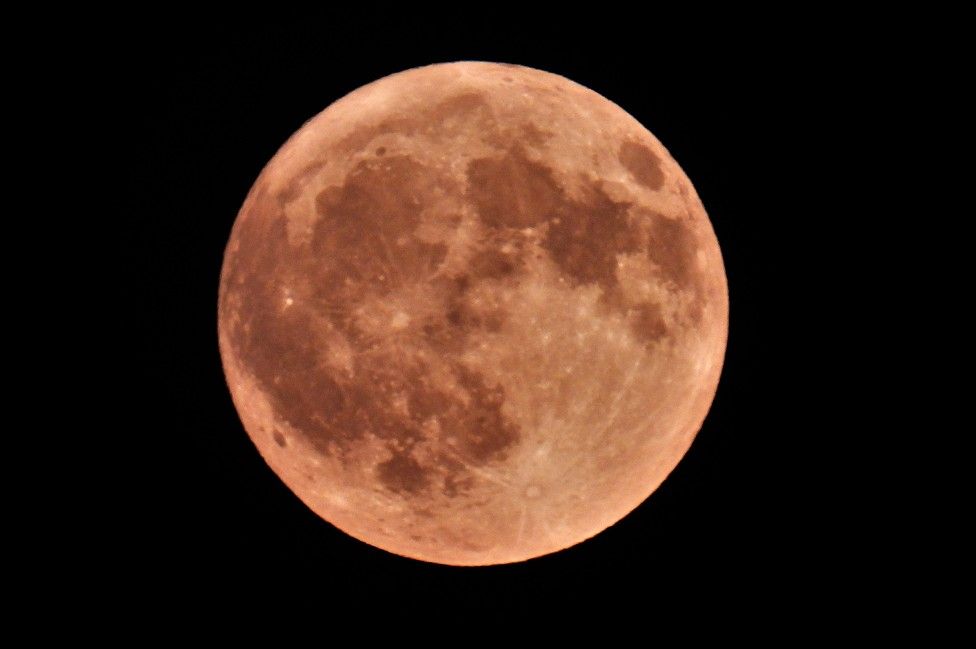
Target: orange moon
x=472, y=313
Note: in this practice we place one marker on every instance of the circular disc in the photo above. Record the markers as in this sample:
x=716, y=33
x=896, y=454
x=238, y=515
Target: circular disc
x=472, y=313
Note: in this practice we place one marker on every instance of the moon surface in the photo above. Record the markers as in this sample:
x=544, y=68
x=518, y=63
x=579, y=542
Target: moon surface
x=472, y=313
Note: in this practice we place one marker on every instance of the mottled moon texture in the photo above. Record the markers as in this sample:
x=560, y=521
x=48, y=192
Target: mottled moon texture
x=472, y=313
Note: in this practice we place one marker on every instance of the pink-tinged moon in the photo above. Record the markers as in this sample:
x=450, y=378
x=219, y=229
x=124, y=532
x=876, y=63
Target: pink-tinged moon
x=473, y=313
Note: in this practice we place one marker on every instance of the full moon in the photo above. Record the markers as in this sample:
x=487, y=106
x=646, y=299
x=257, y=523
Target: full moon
x=472, y=313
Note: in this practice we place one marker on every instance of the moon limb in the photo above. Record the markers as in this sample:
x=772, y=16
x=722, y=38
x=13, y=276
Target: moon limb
x=430, y=300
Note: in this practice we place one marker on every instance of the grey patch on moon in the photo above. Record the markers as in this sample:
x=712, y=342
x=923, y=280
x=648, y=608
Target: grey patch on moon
x=642, y=163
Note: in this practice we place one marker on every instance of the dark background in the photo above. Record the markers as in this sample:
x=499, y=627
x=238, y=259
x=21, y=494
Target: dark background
x=206, y=106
